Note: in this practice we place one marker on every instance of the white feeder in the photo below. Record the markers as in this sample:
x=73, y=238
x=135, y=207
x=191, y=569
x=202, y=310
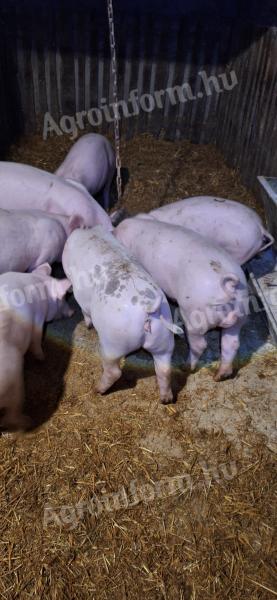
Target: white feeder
x=263, y=268
x=269, y=195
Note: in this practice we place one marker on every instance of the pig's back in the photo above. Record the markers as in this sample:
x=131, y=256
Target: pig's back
x=26, y=187
x=205, y=206
x=232, y=225
x=176, y=257
x=15, y=233
x=22, y=181
x=87, y=162
x=115, y=278
x=184, y=246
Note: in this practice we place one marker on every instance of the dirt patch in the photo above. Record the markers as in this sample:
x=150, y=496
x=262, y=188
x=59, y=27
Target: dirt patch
x=160, y=443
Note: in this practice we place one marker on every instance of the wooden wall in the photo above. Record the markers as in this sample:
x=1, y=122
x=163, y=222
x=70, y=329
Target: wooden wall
x=57, y=60
x=247, y=117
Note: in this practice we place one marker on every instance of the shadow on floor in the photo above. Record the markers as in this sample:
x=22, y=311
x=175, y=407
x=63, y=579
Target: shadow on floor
x=44, y=381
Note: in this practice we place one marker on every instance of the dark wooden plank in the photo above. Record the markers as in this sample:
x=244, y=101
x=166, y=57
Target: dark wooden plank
x=59, y=61
x=188, y=35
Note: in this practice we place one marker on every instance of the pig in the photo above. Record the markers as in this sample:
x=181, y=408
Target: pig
x=229, y=224
x=30, y=239
x=208, y=285
x=68, y=223
x=91, y=162
x=27, y=301
x=24, y=187
x=126, y=307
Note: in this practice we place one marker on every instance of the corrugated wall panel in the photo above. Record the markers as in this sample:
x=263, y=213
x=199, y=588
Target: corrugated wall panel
x=247, y=118
x=61, y=64
x=59, y=53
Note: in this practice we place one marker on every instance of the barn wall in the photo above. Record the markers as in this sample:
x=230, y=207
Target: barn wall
x=62, y=61
x=57, y=60
x=247, y=118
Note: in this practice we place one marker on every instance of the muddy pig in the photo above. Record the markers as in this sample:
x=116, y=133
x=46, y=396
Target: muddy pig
x=121, y=300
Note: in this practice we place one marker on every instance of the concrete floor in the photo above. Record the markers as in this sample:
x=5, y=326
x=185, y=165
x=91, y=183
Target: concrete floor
x=241, y=406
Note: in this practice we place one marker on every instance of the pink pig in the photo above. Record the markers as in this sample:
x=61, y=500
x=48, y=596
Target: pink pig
x=90, y=161
x=27, y=301
x=30, y=239
x=68, y=223
x=208, y=285
x=121, y=300
x=229, y=224
x=24, y=187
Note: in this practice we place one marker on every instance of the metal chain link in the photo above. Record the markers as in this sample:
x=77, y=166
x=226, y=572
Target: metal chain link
x=115, y=96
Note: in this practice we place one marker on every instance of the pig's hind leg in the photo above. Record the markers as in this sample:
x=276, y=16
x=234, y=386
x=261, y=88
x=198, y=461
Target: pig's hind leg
x=229, y=347
x=197, y=345
x=88, y=320
x=116, y=341
x=111, y=373
x=162, y=364
x=159, y=341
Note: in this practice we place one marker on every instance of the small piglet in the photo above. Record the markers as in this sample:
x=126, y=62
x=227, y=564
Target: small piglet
x=24, y=187
x=208, y=285
x=126, y=307
x=31, y=239
x=27, y=301
x=90, y=161
x=229, y=224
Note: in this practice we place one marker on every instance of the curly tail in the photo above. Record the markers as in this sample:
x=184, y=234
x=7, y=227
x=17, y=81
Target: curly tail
x=174, y=328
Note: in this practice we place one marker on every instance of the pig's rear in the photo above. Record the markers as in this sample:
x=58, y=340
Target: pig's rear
x=126, y=307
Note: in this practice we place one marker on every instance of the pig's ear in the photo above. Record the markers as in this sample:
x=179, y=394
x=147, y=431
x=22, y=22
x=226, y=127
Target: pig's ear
x=62, y=287
x=44, y=269
x=75, y=222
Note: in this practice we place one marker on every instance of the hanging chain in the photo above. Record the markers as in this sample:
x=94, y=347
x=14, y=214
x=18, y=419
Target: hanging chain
x=115, y=96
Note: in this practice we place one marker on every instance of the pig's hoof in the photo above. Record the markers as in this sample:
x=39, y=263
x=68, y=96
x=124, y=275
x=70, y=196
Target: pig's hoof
x=101, y=389
x=167, y=399
x=191, y=365
x=217, y=377
x=222, y=376
x=109, y=377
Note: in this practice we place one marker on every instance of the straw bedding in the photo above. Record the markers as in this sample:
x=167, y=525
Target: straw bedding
x=212, y=539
